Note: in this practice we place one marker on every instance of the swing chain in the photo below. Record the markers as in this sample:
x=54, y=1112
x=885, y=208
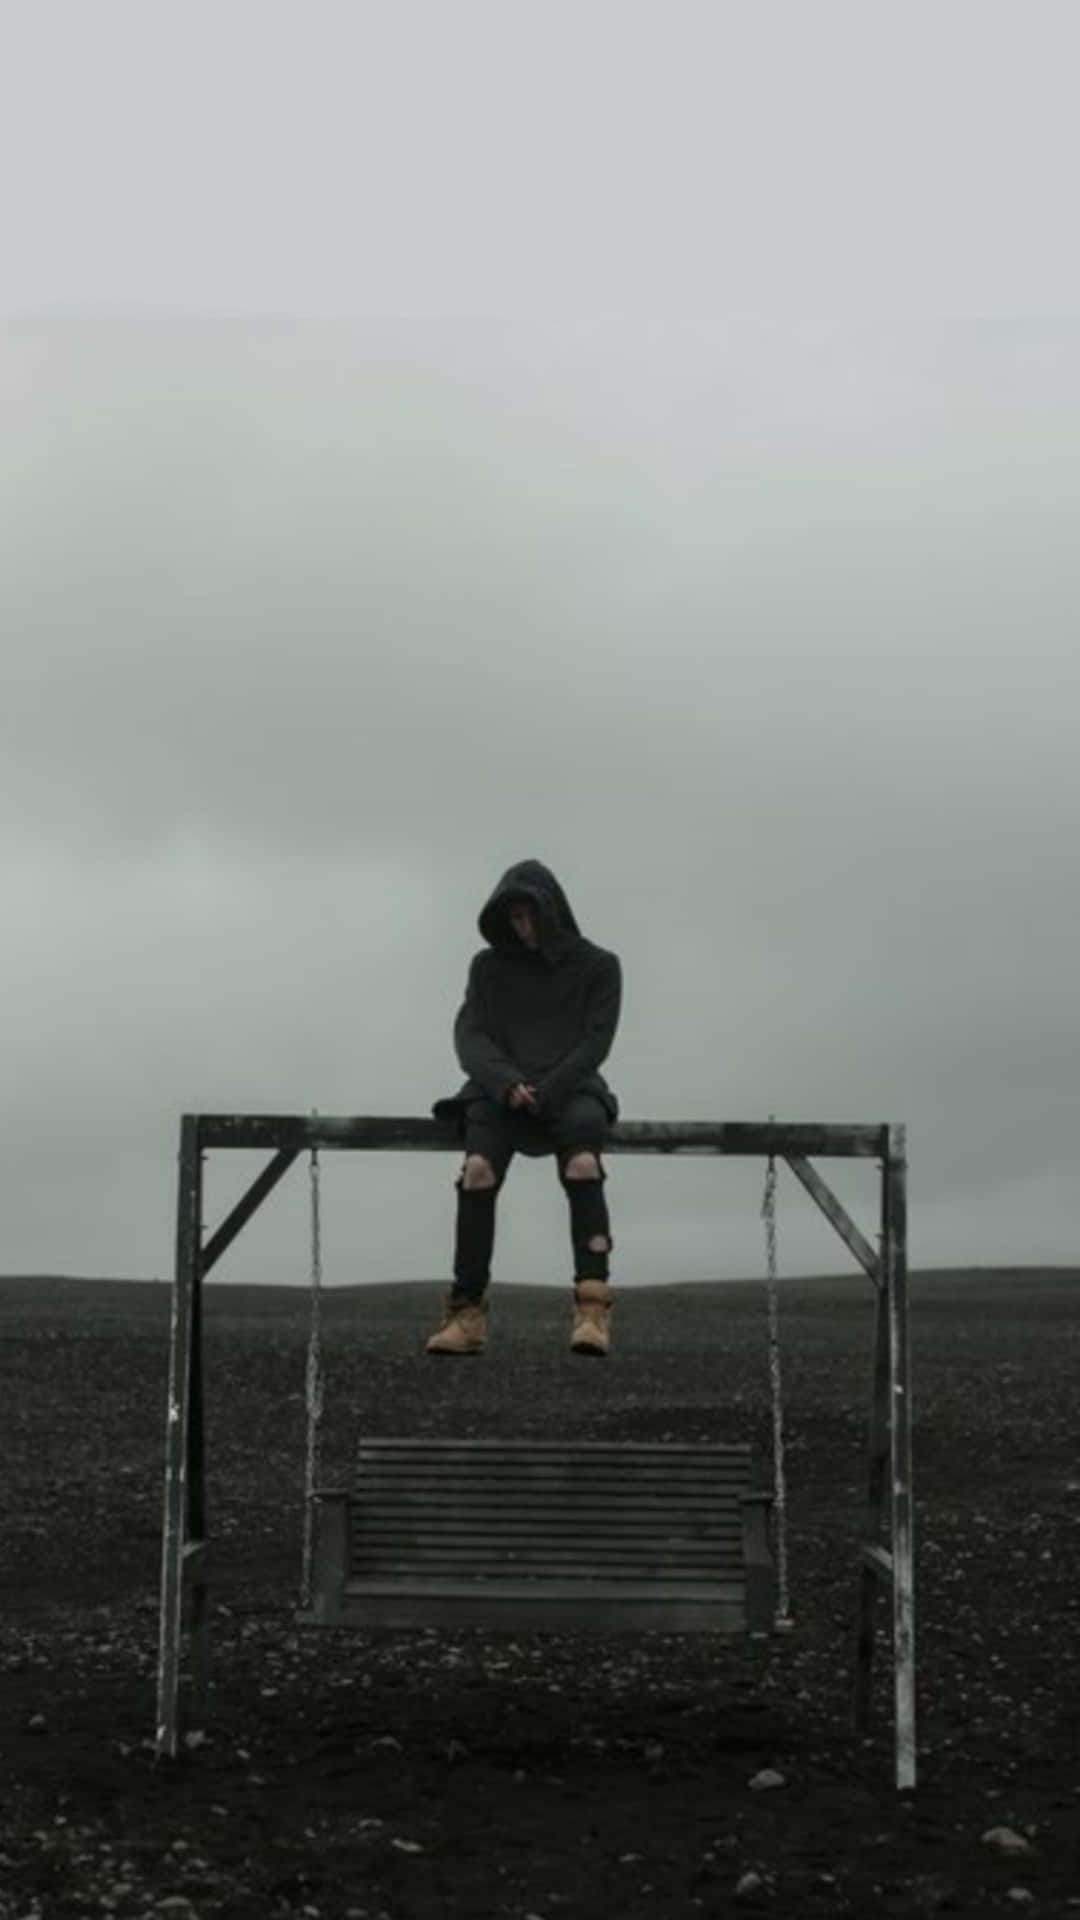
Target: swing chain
x=782, y=1620
x=313, y=1383
x=768, y=1214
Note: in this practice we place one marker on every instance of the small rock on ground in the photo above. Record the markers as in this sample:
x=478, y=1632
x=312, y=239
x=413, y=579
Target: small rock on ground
x=1006, y=1840
x=749, y=1882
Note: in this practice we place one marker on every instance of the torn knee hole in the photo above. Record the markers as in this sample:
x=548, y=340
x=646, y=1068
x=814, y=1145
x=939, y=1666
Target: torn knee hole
x=477, y=1176
x=582, y=1166
x=599, y=1243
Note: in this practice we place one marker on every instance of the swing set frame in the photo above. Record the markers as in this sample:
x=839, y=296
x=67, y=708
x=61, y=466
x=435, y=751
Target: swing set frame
x=886, y=1558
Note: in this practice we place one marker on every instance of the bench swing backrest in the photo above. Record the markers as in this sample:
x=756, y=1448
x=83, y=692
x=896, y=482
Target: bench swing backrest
x=550, y=1535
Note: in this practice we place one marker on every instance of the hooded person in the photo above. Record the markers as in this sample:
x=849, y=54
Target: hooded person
x=539, y=1016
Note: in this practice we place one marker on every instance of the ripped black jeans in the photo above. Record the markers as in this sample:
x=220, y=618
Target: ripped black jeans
x=498, y=1132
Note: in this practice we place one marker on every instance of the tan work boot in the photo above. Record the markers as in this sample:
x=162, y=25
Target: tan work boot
x=593, y=1301
x=463, y=1328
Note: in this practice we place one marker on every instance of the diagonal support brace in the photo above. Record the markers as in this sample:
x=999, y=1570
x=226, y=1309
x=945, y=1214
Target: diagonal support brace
x=836, y=1214
x=250, y=1202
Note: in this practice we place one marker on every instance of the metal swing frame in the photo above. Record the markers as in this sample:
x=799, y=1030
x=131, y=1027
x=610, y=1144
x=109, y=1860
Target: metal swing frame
x=886, y=1559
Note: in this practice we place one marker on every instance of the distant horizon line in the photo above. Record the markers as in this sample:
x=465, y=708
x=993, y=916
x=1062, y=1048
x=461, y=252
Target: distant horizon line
x=541, y=1286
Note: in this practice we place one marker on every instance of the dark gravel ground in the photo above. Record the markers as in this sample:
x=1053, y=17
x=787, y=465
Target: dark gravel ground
x=393, y=1775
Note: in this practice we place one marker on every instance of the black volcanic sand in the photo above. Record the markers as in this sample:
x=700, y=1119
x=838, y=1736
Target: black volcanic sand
x=398, y=1775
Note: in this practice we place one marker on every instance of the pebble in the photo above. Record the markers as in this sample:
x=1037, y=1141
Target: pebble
x=407, y=1846
x=749, y=1882
x=1006, y=1840
x=37, y=1723
x=768, y=1777
x=1021, y=1895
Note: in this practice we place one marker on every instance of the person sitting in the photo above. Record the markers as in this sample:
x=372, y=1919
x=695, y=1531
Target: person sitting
x=540, y=1013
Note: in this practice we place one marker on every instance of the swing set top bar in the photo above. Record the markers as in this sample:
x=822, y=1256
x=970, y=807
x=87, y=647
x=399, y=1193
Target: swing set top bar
x=299, y=1132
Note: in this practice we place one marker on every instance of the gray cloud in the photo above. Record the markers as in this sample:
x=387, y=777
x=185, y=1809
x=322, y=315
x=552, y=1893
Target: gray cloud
x=767, y=642
x=349, y=158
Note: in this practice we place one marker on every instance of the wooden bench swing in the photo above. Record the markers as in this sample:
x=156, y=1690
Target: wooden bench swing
x=543, y=1534
x=546, y=1535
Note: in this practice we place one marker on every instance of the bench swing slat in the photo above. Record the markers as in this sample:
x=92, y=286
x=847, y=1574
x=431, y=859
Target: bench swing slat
x=644, y=1450
x=522, y=1536
x=435, y=1495
x=540, y=1552
x=531, y=1608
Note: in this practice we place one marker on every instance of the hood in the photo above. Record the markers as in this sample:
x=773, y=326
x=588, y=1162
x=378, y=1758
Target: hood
x=530, y=880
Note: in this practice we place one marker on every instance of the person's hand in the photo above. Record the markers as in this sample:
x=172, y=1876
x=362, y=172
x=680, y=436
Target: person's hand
x=523, y=1095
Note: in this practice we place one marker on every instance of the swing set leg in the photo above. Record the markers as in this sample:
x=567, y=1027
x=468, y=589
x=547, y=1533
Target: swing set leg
x=183, y=1556
x=889, y=1479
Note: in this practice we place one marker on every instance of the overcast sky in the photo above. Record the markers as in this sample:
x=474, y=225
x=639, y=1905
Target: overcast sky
x=761, y=632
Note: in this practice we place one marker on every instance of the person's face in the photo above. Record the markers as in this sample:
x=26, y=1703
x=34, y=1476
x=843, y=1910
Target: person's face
x=523, y=922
